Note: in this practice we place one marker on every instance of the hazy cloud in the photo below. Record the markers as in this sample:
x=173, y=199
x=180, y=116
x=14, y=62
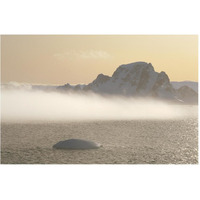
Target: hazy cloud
x=90, y=54
x=29, y=105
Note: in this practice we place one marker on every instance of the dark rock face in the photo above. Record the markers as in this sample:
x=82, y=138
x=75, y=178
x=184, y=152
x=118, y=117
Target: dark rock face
x=101, y=78
x=97, y=82
x=187, y=95
x=190, y=84
x=65, y=87
x=163, y=88
x=76, y=144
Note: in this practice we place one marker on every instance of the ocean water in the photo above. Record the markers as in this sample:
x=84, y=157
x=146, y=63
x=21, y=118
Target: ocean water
x=124, y=142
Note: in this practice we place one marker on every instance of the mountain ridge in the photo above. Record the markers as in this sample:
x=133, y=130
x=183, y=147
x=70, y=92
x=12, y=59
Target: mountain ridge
x=138, y=79
x=191, y=84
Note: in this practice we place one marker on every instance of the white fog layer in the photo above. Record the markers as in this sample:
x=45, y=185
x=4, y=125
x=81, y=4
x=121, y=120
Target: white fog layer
x=29, y=105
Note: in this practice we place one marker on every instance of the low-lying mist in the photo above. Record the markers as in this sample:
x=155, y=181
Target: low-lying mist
x=30, y=105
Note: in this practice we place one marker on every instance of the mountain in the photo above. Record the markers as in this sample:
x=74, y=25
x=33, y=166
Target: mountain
x=134, y=79
x=187, y=94
x=191, y=84
x=137, y=79
x=68, y=87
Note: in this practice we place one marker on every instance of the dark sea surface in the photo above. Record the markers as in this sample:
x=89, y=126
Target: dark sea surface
x=124, y=142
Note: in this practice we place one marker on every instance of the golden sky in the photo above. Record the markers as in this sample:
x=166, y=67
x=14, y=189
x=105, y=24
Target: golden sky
x=60, y=59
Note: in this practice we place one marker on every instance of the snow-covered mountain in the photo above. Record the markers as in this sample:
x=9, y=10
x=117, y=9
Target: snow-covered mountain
x=137, y=79
x=134, y=79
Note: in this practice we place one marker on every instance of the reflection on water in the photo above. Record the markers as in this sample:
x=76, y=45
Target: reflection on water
x=124, y=142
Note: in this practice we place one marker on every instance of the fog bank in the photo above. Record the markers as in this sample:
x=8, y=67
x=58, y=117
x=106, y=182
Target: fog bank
x=29, y=105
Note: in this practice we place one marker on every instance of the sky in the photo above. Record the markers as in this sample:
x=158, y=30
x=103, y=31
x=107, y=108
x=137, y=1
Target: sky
x=74, y=59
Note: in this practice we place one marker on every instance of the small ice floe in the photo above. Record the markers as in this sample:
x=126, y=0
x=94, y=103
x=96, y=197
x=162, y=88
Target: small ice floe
x=76, y=144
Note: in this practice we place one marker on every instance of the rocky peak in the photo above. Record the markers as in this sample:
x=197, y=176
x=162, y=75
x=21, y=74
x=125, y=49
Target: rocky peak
x=101, y=79
x=132, y=68
x=132, y=79
x=135, y=79
x=187, y=95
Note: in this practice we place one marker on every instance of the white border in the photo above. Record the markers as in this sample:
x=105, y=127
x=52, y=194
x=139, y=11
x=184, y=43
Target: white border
x=99, y=181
